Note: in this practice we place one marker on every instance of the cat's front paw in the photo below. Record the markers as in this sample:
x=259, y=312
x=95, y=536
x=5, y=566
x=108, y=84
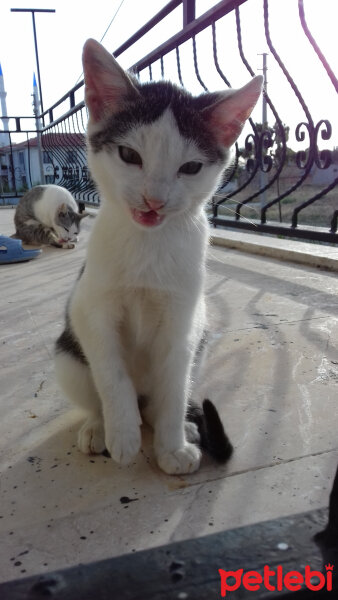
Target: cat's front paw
x=67, y=245
x=124, y=445
x=181, y=461
x=91, y=437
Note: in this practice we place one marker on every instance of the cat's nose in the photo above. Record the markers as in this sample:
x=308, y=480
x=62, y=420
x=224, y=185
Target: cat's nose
x=153, y=204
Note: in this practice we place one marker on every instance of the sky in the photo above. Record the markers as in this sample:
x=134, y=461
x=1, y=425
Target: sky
x=61, y=36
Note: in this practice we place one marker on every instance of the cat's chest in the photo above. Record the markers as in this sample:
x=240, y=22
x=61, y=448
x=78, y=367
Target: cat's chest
x=157, y=269
x=167, y=260
x=144, y=313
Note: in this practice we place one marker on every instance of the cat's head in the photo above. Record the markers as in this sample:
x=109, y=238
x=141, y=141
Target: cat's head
x=154, y=148
x=67, y=223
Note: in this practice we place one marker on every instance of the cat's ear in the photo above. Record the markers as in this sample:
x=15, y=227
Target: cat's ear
x=62, y=208
x=226, y=117
x=106, y=83
x=83, y=215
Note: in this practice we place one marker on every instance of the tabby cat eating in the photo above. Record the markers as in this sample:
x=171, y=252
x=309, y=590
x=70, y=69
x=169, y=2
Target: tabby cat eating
x=48, y=214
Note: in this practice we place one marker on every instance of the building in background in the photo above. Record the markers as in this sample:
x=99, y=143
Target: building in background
x=63, y=158
x=45, y=158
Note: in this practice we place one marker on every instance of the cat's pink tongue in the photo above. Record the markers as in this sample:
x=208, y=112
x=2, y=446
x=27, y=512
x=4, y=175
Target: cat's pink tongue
x=150, y=218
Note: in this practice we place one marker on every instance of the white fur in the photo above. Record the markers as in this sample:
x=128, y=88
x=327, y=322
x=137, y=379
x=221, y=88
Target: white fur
x=47, y=206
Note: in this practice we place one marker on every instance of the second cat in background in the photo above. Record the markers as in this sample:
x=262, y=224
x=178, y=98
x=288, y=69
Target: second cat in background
x=48, y=214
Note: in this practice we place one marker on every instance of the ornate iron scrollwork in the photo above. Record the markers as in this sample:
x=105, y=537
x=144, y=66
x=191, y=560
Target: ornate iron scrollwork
x=304, y=159
x=251, y=144
x=323, y=158
x=265, y=142
x=256, y=146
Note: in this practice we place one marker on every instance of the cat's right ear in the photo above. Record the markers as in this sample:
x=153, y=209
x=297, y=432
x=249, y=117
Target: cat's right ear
x=106, y=83
x=226, y=118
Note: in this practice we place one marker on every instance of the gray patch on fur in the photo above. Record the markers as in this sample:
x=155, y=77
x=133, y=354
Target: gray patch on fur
x=67, y=342
x=25, y=207
x=66, y=219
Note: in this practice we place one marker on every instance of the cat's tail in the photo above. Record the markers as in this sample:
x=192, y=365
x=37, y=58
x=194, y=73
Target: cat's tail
x=213, y=438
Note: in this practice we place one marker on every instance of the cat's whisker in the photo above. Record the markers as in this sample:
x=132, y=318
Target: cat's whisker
x=217, y=194
x=242, y=218
x=231, y=210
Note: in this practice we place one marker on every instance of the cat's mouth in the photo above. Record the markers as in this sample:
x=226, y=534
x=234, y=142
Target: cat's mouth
x=149, y=218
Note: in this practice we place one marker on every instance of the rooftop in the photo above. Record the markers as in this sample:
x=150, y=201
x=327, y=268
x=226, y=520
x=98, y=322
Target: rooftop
x=272, y=372
x=66, y=140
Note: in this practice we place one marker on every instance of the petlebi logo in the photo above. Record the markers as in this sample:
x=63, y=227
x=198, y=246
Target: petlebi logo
x=275, y=579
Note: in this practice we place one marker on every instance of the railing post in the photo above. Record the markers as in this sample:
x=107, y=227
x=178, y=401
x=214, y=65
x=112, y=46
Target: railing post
x=262, y=174
x=189, y=10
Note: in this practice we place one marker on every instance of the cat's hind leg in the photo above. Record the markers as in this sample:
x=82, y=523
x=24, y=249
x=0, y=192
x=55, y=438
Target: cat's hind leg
x=76, y=381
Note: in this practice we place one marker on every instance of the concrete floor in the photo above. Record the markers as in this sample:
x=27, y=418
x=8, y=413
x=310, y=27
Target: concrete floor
x=272, y=372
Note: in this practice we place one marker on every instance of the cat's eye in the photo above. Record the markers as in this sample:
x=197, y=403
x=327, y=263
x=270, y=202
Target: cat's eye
x=130, y=156
x=190, y=168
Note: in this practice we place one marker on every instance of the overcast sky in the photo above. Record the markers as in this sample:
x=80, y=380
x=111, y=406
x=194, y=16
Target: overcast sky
x=61, y=37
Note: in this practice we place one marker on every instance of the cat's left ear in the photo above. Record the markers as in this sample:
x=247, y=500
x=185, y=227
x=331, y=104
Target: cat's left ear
x=106, y=83
x=62, y=208
x=227, y=116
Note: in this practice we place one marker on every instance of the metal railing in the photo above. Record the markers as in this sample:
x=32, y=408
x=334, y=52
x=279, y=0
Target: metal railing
x=269, y=187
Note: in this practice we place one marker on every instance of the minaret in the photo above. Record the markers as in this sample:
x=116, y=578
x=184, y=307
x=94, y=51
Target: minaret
x=36, y=100
x=36, y=110
x=4, y=137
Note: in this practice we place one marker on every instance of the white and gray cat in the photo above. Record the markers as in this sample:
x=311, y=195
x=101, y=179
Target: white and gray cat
x=137, y=313
x=48, y=214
